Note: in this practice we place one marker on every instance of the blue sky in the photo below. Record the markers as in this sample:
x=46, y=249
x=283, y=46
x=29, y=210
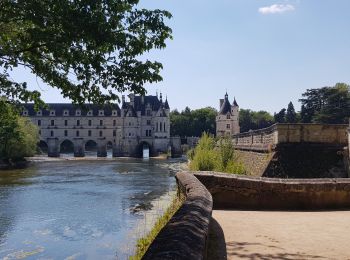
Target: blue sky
x=265, y=53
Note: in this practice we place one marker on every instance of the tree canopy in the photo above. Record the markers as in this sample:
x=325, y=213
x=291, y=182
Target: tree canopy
x=90, y=50
x=18, y=136
x=326, y=105
x=193, y=122
x=251, y=120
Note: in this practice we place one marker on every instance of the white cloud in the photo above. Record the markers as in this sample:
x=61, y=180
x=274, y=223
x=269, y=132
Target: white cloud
x=276, y=9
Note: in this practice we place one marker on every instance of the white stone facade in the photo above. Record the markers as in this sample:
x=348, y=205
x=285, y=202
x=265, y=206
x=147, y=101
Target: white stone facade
x=227, y=120
x=143, y=120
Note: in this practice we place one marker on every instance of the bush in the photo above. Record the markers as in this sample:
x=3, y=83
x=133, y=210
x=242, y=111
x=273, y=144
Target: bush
x=211, y=155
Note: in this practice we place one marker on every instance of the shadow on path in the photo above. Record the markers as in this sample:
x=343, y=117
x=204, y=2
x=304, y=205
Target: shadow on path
x=216, y=242
x=242, y=250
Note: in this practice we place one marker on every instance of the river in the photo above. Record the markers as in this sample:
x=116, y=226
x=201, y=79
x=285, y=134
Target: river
x=81, y=209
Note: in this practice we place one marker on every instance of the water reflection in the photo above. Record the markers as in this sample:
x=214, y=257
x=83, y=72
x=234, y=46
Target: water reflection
x=79, y=209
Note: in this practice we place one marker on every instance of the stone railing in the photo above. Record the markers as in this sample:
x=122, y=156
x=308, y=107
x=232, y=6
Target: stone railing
x=243, y=192
x=185, y=235
x=268, y=138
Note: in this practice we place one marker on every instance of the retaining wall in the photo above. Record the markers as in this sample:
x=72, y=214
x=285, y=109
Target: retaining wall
x=244, y=192
x=185, y=235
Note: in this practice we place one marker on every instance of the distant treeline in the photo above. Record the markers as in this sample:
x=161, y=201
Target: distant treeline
x=323, y=105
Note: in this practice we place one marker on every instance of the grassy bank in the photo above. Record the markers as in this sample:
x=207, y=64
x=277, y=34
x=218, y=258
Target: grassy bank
x=143, y=243
x=215, y=155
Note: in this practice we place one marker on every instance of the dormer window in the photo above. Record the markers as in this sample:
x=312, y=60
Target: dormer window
x=78, y=112
x=114, y=112
x=66, y=112
x=39, y=113
x=25, y=112
x=228, y=116
x=101, y=112
x=52, y=113
x=148, y=112
x=89, y=113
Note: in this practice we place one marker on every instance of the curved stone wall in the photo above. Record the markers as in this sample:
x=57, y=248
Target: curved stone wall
x=185, y=235
x=244, y=192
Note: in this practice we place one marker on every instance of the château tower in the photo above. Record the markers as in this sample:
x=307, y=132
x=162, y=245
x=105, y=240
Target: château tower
x=227, y=120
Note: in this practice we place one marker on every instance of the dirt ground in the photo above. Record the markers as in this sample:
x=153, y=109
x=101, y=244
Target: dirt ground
x=279, y=235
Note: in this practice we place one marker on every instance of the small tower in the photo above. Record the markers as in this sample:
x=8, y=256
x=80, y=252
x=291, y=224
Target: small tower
x=227, y=120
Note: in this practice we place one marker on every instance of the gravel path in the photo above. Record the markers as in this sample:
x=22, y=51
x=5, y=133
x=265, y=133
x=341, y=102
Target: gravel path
x=279, y=235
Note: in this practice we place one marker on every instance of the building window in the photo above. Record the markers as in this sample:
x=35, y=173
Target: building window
x=101, y=133
x=39, y=113
x=89, y=133
x=78, y=122
x=114, y=133
x=39, y=132
x=65, y=133
x=51, y=133
x=160, y=126
x=77, y=112
x=228, y=116
x=164, y=127
x=114, y=122
x=148, y=122
x=39, y=122
x=157, y=127
x=77, y=133
x=65, y=122
x=89, y=113
x=101, y=112
x=52, y=113
x=65, y=113
x=89, y=122
x=101, y=122
x=148, y=112
x=25, y=113
x=148, y=133
x=129, y=134
x=52, y=122
x=228, y=126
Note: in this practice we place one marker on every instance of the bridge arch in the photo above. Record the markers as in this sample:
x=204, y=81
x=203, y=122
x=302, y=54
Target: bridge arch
x=42, y=147
x=67, y=146
x=141, y=146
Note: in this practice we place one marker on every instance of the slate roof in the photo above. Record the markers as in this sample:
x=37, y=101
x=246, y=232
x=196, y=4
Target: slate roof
x=154, y=102
x=235, y=102
x=59, y=108
x=225, y=107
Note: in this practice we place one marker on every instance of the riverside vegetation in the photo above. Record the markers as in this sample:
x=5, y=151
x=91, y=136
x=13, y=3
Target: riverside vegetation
x=144, y=243
x=18, y=135
x=213, y=154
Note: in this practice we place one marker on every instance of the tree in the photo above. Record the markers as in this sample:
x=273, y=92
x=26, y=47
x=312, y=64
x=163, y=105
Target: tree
x=252, y=120
x=291, y=115
x=18, y=136
x=88, y=49
x=193, y=122
x=326, y=105
x=280, y=117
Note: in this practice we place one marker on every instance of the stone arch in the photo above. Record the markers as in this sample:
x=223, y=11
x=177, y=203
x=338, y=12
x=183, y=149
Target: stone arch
x=43, y=147
x=90, y=145
x=66, y=146
x=141, y=146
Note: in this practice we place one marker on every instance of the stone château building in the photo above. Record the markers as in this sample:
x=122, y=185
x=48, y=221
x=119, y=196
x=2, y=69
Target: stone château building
x=141, y=121
x=227, y=120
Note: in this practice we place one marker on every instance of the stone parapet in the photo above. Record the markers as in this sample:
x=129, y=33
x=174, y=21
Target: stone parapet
x=269, y=138
x=185, y=235
x=231, y=191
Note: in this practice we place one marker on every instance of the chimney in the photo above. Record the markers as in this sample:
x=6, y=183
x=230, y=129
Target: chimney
x=142, y=99
x=123, y=99
x=221, y=102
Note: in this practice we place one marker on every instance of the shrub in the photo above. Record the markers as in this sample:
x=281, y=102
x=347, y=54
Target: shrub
x=211, y=155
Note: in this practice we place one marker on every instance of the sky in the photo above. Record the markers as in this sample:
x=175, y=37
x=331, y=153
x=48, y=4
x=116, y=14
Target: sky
x=265, y=53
